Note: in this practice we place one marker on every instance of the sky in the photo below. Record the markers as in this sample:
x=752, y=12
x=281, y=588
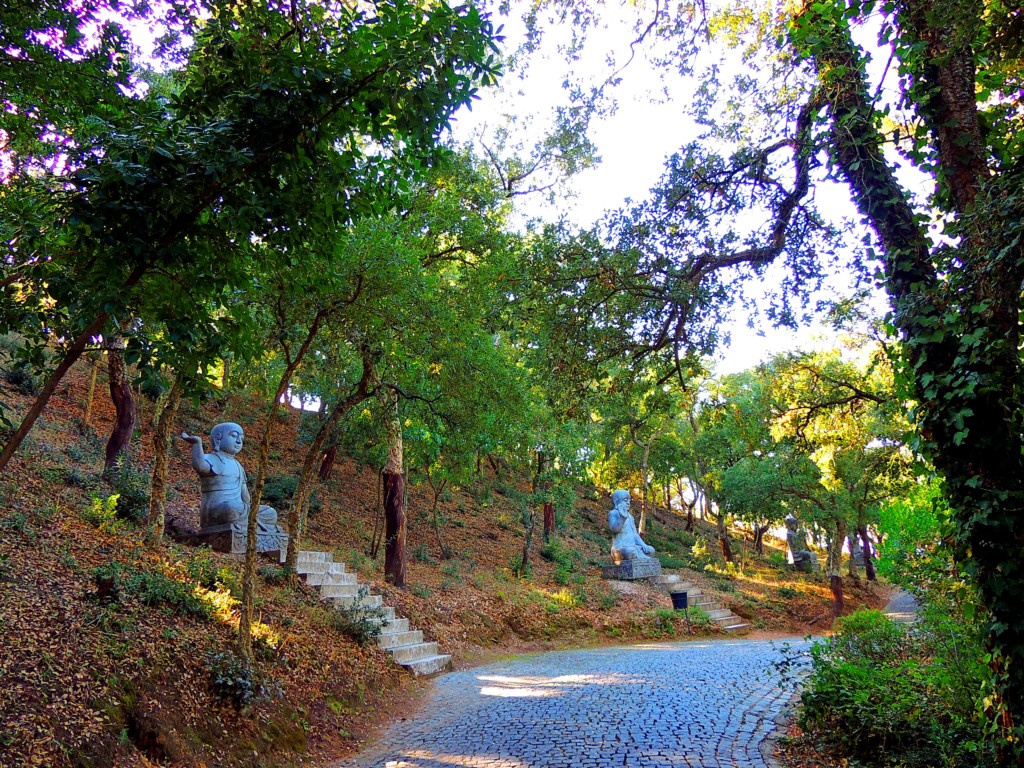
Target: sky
x=633, y=144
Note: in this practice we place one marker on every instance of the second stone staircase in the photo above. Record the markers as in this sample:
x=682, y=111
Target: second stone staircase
x=342, y=589
x=696, y=598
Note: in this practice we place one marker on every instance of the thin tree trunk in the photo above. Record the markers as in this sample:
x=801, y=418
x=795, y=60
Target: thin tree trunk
x=394, y=495
x=327, y=465
x=438, y=489
x=835, y=564
x=121, y=394
x=94, y=329
x=256, y=492
x=161, y=446
x=300, y=502
x=529, y=521
x=869, y=553
x=759, y=532
x=95, y=364
x=723, y=537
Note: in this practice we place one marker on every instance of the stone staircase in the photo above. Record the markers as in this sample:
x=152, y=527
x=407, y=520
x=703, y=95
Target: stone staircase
x=696, y=598
x=342, y=589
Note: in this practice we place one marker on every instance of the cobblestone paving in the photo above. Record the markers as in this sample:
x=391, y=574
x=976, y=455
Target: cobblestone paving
x=685, y=705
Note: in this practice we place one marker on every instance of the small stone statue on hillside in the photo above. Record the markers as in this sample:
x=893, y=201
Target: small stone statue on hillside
x=796, y=537
x=224, y=509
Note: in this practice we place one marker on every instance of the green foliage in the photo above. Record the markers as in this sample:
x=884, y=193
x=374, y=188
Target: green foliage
x=888, y=695
x=566, y=560
x=237, y=683
x=132, y=487
x=361, y=622
x=151, y=587
x=102, y=514
x=278, y=491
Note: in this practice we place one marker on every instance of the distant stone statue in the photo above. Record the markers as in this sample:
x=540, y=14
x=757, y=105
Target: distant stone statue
x=632, y=558
x=856, y=551
x=796, y=537
x=224, y=509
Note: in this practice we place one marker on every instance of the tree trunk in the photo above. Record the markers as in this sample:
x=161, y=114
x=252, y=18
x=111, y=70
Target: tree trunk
x=869, y=553
x=95, y=366
x=724, y=541
x=835, y=565
x=851, y=562
x=124, y=405
x=327, y=464
x=162, y=436
x=759, y=532
x=438, y=489
x=549, y=519
x=256, y=492
x=225, y=379
x=529, y=521
x=394, y=497
x=300, y=501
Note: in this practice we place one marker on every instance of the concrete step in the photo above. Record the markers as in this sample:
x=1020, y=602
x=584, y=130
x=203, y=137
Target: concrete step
x=319, y=566
x=735, y=627
x=707, y=605
x=347, y=601
x=394, y=625
x=329, y=578
x=393, y=639
x=429, y=665
x=719, y=613
x=313, y=556
x=328, y=591
x=412, y=652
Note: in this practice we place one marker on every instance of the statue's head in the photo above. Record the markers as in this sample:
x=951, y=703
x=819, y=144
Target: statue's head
x=791, y=522
x=620, y=497
x=228, y=437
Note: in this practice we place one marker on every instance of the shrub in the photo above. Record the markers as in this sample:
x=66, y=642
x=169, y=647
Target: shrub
x=882, y=694
x=153, y=588
x=132, y=486
x=278, y=491
x=363, y=623
x=102, y=514
x=237, y=683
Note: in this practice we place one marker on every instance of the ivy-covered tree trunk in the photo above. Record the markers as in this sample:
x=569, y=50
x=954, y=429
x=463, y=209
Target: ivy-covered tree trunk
x=162, y=436
x=120, y=439
x=956, y=306
x=395, y=565
x=94, y=369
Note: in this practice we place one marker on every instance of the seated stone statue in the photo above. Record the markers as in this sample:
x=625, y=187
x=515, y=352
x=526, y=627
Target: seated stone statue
x=796, y=537
x=224, y=509
x=627, y=544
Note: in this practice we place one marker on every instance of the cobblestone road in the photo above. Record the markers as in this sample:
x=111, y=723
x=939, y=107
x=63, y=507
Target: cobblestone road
x=686, y=705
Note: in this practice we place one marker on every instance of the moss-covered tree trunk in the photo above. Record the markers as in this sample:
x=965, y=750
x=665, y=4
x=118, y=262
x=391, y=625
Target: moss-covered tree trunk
x=162, y=437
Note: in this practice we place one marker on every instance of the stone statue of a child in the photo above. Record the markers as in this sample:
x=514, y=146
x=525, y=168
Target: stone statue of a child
x=225, y=492
x=627, y=544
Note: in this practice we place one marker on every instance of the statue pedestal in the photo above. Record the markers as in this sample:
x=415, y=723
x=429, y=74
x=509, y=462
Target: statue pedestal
x=231, y=538
x=629, y=570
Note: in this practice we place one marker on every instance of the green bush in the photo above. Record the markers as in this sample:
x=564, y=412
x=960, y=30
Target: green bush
x=102, y=514
x=154, y=588
x=363, y=623
x=132, y=486
x=278, y=491
x=882, y=695
x=237, y=683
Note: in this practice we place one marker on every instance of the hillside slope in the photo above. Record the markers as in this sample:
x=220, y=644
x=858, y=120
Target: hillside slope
x=114, y=654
